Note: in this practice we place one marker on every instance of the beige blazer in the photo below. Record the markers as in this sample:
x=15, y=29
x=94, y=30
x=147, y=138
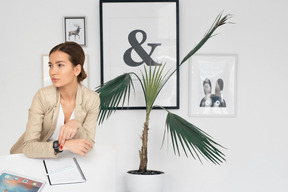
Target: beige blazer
x=42, y=121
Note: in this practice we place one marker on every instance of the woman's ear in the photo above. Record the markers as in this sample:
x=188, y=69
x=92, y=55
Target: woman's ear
x=77, y=70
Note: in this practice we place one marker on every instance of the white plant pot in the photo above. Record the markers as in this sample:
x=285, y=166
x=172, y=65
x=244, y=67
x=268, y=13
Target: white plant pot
x=145, y=183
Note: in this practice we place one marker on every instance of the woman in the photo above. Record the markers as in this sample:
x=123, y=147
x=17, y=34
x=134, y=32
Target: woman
x=206, y=101
x=62, y=116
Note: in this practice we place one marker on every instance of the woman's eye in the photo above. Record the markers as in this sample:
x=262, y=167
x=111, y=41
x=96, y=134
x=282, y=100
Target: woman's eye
x=60, y=65
x=49, y=66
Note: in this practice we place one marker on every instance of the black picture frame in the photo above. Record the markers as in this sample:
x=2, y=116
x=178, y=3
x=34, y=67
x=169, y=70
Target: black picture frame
x=149, y=23
x=75, y=30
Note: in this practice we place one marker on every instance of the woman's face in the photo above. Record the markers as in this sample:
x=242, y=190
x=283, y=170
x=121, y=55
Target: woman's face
x=62, y=72
x=207, y=88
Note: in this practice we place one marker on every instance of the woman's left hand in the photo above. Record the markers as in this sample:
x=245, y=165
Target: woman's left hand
x=68, y=131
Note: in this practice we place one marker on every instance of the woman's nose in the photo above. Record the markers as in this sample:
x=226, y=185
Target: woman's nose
x=52, y=71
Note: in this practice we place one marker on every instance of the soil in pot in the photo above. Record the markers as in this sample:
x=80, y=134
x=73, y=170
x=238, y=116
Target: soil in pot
x=148, y=172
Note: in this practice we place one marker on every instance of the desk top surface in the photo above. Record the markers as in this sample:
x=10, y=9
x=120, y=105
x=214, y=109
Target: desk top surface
x=98, y=167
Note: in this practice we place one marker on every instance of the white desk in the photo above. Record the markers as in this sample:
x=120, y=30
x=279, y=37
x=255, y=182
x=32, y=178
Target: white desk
x=98, y=167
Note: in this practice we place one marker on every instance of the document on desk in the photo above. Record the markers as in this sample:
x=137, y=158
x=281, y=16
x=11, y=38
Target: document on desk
x=63, y=171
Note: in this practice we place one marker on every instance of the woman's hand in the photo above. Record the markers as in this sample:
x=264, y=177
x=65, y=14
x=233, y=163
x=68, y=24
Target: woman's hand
x=68, y=130
x=78, y=146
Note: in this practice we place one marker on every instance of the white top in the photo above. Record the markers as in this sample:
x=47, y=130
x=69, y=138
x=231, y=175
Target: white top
x=60, y=122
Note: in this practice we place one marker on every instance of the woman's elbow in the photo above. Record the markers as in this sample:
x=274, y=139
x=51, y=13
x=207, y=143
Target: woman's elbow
x=27, y=151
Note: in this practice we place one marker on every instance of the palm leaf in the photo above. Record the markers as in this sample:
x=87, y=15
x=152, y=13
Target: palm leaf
x=190, y=137
x=152, y=83
x=219, y=21
x=112, y=93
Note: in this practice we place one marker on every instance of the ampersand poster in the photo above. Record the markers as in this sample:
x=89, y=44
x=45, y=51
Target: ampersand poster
x=135, y=34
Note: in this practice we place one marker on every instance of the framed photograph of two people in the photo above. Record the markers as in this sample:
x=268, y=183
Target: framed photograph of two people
x=138, y=33
x=212, y=85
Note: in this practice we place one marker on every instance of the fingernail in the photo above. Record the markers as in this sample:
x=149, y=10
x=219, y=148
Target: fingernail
x=61, y=147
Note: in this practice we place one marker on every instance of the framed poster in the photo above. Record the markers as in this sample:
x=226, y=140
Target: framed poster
x=45, y=71
x=75, y=30
x=137, y=33
x=212, y=85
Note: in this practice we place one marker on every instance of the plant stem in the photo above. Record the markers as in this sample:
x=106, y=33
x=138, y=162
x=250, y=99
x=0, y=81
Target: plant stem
x=143, y=152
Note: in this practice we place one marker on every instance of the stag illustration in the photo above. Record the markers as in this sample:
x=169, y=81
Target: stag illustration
x=76, y=32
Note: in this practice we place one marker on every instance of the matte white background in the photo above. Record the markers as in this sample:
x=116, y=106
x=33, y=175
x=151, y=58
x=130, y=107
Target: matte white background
x=255, y=139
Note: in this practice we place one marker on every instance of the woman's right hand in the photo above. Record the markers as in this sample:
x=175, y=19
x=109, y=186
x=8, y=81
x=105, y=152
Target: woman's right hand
x=78, y=146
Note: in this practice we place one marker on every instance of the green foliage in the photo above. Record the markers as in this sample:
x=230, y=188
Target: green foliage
x=112, y=93
x=152, y=83
x=219, y=21
x=183, y=134
x=192, y=138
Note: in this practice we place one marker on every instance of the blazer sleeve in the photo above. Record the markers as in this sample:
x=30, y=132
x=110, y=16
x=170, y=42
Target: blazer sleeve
x=33, y=147
x=87, y=129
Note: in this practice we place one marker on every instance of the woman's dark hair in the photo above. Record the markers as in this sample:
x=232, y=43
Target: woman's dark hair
x=76, y=56
x=207, y=81
x=221, y=84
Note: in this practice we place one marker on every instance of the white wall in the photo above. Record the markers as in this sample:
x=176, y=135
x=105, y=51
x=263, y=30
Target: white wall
x=255, y=139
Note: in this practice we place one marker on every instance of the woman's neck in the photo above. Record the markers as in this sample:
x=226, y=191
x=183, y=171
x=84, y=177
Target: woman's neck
x=68, y=93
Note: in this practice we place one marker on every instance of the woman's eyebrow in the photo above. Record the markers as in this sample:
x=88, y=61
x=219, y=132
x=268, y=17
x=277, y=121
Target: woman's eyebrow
x=57, y=62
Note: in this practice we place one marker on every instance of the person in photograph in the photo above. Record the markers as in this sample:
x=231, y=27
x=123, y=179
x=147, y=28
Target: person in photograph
x=206, y=101
x=217, y=98
x=63, y=116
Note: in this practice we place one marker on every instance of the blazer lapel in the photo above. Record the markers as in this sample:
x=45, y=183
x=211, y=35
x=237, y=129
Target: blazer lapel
x=55, y=115
x=78, y=107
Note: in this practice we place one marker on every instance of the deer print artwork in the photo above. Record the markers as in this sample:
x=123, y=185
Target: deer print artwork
x=75, y=32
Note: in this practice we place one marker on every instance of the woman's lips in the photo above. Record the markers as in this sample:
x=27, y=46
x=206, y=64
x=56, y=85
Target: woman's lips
x=55, y=79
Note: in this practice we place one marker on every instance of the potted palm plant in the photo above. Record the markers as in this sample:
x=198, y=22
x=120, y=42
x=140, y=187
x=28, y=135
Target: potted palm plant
x=183, y=134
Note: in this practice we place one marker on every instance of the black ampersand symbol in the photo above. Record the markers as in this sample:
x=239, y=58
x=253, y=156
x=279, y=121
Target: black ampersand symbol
x=139, y=50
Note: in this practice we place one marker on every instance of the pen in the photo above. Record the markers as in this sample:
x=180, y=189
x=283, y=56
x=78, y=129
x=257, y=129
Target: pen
x=60, y=170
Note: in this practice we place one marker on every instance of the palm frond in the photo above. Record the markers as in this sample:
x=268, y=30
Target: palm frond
x=112, y=93
x=219, y=21
x=190, y=137
x=152, y=83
